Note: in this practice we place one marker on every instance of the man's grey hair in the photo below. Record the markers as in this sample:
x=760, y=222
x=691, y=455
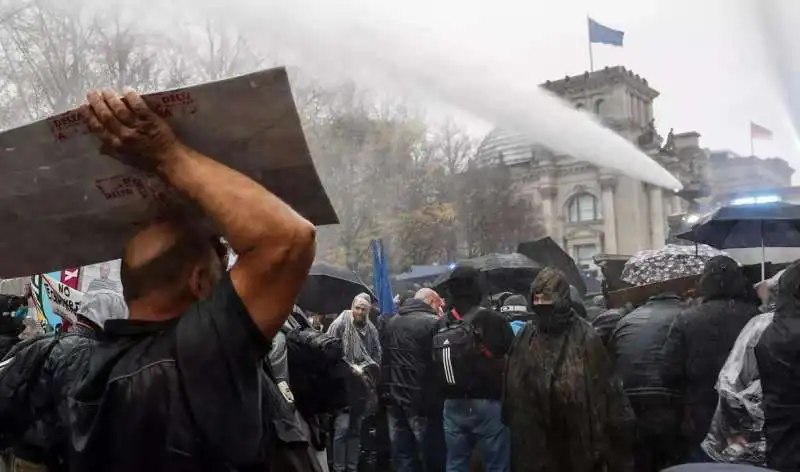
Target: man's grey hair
x=362, y=297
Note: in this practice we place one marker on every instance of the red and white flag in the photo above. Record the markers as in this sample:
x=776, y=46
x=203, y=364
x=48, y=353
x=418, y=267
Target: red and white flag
x=759, y=132
x=70, y=277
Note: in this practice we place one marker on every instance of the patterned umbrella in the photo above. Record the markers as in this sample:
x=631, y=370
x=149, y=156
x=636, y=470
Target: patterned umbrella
x=670, y=262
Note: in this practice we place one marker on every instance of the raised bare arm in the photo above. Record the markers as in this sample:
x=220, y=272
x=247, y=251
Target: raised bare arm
x=274, y=243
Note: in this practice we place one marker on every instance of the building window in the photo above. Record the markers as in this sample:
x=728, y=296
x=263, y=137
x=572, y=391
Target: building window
x=584, y=259
x=598, y=107
x=584, y=207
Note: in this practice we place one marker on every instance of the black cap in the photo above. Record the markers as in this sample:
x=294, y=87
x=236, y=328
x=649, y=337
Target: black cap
x=515, y=305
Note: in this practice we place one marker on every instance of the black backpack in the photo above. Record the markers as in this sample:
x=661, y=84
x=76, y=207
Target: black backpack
x=318, y=373
x=457, y=351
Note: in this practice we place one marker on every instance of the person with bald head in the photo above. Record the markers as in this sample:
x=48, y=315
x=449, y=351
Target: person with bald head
x=409, y=386
x=177, y=386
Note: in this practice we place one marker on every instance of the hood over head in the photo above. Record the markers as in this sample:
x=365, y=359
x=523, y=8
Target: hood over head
x=723, y=279
x=552, y=285
x=555, y=309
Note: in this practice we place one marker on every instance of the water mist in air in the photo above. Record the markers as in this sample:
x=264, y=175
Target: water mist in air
x=358, y=41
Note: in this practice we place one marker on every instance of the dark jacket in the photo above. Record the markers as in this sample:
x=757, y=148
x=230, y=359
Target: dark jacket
x=639, y=346
x=7, y=343
x=703, y=336
x=565, y=410
x=496, y=336
x=47, y=439
x=778, y=356
x=408, y=370
x=288, y=423
x=606, y=322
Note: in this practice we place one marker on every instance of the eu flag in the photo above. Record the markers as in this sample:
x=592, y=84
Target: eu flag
x=604, y=35
x=380, y=278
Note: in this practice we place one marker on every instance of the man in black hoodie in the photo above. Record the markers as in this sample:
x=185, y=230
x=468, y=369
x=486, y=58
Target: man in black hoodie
x=408, y=379
x=472, y=412
x=701, y=340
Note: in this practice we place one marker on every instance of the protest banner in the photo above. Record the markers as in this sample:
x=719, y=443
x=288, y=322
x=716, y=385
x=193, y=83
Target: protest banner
x=37, y=304
x=83, y=206
x=64, y=300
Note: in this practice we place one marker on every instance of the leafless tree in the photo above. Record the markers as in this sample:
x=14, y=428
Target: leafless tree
x=52, y=54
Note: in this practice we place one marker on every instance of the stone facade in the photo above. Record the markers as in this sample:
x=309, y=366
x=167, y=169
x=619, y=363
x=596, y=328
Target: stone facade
x=730, y=174
x=589, y=209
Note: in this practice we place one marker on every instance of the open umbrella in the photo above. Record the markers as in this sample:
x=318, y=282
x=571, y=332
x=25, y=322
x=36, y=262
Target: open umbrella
x=744, y=226
x=501, y=272
x=330, y=289
x=672, y=261
x=548, y=253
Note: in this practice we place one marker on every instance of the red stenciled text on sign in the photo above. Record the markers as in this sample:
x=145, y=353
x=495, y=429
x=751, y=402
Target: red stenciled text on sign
x=120, y=186
x=178, y=103
x=68, y=125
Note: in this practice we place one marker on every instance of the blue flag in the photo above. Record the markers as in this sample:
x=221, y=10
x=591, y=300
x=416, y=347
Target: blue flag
x=604, y=35
x=380, y=278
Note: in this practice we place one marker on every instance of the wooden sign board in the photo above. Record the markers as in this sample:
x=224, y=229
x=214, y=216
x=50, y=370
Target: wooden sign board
x=63, y=204
x=640, y=294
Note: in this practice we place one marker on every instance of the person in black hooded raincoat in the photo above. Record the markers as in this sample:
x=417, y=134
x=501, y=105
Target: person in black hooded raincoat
x=778, y=356
x=565, y=410
x=701, y=339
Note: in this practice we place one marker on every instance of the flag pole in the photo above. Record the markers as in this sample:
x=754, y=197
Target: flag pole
x=591, y=55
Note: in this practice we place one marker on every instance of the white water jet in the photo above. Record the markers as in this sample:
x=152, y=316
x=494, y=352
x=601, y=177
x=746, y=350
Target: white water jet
x=778, y=21
x=360, y=40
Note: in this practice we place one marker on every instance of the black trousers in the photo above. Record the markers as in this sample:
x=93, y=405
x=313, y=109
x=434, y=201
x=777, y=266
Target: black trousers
x=659, y=443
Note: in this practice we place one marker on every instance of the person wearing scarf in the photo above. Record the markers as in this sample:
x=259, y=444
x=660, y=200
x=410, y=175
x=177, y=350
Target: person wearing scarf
x=362, y=350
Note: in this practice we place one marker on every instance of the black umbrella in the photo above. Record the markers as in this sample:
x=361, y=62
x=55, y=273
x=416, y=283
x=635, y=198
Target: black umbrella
x=548, y=253
x=501, y=272
x=744, y=226
x=330, y=289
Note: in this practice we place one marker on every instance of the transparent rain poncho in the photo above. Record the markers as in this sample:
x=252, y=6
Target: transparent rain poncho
x=735, y=434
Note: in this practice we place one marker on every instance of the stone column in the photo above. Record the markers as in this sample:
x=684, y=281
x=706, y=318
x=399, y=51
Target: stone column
x=548, y=194
x=677, y=204
x=657, y=221
x=608, y=184
x=642, y=112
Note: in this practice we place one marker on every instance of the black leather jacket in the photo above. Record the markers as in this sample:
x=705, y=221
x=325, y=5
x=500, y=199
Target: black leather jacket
x=640, y=349
x=47, y=439
x=407, y=370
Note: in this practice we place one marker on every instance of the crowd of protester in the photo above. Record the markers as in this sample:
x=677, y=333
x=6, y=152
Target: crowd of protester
x=200, y=366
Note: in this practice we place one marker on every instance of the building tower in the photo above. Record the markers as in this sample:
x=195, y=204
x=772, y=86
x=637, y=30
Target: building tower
x=589, y=209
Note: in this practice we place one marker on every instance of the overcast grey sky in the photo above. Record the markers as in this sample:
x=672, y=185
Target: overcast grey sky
x=706, y=57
